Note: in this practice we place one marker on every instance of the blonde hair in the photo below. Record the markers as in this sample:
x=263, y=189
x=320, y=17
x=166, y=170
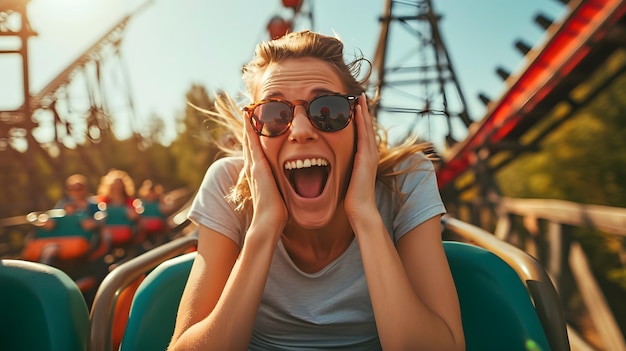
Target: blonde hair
x=149, y=186
x=303, y=44
x=76, y=179
x=110, y=177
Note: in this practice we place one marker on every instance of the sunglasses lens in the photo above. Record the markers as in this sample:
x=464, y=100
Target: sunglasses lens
x=330, y=113
x=271, y=118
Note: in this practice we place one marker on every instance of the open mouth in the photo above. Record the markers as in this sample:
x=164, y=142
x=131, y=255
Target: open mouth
x=307, y=176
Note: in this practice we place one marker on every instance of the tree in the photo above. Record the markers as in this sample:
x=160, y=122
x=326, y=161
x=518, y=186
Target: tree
x=193, y=148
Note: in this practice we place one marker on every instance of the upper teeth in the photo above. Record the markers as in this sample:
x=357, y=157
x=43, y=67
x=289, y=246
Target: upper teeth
x=309, y=162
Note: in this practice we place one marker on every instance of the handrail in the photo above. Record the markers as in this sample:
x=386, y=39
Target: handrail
x=538, y=283
x=604, y=218
x=564, y=256
x=101, y=315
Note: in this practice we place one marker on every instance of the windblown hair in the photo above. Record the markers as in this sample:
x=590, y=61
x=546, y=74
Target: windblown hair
x=303, y=44
x=110, y=177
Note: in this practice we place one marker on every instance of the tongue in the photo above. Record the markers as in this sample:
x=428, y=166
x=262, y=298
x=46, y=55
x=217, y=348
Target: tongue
x=309, y=182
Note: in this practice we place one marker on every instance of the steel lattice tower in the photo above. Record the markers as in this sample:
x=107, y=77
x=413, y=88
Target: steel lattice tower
x=416, y=81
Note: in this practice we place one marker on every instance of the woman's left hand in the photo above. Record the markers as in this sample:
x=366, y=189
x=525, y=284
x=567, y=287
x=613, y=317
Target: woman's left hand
x=360, y=199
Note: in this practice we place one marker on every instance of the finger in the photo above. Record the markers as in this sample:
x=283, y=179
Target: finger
x=366, y=125
x=256, y=157
x=247, y=157
x=254, y=144
x=245, y=148
x=360, y=121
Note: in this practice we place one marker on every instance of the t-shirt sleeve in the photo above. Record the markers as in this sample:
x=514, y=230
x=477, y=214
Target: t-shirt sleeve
x=210, y=207
x=420, y=199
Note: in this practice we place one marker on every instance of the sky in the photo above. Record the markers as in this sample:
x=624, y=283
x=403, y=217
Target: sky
x=171, y=44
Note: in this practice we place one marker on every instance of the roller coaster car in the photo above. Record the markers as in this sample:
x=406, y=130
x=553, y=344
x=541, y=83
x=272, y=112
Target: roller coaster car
x=61, y=240
x=61, y=236
x=500, y=310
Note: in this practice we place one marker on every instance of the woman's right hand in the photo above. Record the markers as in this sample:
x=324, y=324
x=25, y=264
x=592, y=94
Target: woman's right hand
x=269, y=208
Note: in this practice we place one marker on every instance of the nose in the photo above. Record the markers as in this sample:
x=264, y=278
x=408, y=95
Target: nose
x=301, y=128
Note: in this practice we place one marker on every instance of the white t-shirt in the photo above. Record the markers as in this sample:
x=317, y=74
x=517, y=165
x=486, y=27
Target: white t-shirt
x=329, y=309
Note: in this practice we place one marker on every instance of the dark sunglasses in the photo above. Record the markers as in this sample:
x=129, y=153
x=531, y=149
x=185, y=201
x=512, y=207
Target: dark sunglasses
x=329, y=113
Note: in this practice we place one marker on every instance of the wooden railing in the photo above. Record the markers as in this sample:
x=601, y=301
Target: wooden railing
x=546, y=220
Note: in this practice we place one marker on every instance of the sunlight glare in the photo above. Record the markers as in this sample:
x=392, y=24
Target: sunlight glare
x=68, y=15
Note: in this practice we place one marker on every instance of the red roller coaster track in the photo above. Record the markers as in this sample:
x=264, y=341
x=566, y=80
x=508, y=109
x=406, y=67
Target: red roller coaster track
x=589, y=24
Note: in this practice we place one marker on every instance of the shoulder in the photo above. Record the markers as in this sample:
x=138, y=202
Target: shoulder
x=62, y=202
x=222, y=175
x=229, y=161
x=412, y=197
x=415, y=162
x=414, y=170
x=409, y=172
x=225, y=167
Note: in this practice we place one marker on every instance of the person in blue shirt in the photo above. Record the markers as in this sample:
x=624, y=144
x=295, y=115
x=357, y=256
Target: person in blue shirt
x=77, y=196
x=72, y=230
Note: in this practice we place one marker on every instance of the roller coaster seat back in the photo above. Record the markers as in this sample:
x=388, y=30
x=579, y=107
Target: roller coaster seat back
x=41, y=308
x=496, y=308
x=153, y=312
x=152, y=217
x=497, y=311
x=119, y=227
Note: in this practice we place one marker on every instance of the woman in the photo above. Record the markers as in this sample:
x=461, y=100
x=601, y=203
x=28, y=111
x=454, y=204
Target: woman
x=318, y=237
x=116, y=196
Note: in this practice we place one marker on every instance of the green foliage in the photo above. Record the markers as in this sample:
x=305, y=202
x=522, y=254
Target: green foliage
x=582, y=161
x=193, y=148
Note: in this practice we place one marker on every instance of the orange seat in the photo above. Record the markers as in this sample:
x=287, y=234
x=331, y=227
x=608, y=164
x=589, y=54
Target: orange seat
x=67, y=248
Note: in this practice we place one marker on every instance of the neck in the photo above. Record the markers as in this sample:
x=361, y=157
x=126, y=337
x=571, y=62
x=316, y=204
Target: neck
x=313, y=249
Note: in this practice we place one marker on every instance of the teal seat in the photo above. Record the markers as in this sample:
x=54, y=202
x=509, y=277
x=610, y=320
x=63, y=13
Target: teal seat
x=66, y=225
x=41, y=309
x=155, y=304
x=496, y=308
x=118, y=215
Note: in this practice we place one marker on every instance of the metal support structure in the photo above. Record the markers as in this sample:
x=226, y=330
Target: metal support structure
x=16, y=125
x=74, y=121
x=415, y=75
